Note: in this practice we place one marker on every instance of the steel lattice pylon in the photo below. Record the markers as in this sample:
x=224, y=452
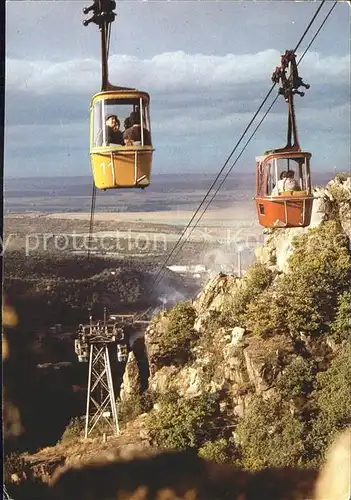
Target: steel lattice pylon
x=101, y=404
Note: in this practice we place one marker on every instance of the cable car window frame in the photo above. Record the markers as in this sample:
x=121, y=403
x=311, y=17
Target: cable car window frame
x=140, y=102
x=96, y=126
x=103, y=123
x=270, y=165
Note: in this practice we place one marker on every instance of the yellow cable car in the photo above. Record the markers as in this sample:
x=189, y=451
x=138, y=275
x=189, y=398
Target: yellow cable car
x=120, y=158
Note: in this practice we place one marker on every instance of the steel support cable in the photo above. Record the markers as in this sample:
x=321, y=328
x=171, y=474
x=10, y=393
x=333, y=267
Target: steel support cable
x=218, y=176
x=248, y=141
x=223, y=180
x=93, y=194
x=309, y=25
x=317, y=32
x=232, y=152
x=92, y=213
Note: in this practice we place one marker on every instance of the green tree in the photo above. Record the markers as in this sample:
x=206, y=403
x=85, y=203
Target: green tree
x=320, y=272
x=341, y=327
x=180, y=335
x=297, y=378
x=269, y=435
x=184, y=423
x=257, y=279
x=220, y=451
x=332, y=399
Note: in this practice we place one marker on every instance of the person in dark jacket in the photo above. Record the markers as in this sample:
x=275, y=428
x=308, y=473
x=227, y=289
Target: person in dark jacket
x=113, y=133
x=132, y=136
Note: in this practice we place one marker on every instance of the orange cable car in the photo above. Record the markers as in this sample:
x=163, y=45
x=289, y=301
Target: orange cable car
x=118, y=159
x=283, y=180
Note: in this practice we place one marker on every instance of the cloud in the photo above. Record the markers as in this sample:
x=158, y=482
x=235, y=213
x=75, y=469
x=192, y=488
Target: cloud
x=200, y=104
x=180, y=84
x=167, y=72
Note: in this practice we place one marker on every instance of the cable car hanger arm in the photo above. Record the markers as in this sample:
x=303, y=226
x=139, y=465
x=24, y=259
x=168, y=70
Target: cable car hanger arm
x=103, y=16
x=289, y=87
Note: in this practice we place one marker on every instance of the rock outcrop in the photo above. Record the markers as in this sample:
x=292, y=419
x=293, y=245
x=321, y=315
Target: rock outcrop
x=226, y=358
x=229, y=358
x=215, y=292
x=153, y=336
x=131, y=384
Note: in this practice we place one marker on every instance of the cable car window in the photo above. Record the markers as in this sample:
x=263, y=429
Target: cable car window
x=121, y=122
x=260, y=179
x=269, y=177
x=290, y=175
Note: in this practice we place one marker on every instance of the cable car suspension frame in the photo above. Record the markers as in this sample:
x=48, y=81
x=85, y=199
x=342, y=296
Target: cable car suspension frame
x=289, y=87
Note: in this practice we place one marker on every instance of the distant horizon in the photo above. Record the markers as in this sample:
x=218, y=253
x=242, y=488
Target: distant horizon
x=251, y=173
x=162, y=174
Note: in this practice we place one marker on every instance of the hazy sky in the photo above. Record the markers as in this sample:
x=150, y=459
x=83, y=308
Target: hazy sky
x=207, y=66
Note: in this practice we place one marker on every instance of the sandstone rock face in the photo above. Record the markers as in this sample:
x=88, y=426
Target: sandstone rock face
x=131, y=379
x=264, y=359
x=233, y=361
x=215, y=293
x=237, y=335
x=265, y=254
x=162, y=380
x=339, y=190
x=153, y=336
x=187, y=381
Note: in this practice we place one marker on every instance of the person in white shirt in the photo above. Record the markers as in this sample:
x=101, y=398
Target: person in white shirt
x=286, y=183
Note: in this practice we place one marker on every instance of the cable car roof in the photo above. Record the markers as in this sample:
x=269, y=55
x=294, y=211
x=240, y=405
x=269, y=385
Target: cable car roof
x=122, y=93
x=283, y=154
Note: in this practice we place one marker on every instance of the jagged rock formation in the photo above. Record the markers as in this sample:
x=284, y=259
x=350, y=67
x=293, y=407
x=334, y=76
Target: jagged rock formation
x=214, y=294
x=131, y=384
x=278, y=357
x=231, y=361
x=262, y=355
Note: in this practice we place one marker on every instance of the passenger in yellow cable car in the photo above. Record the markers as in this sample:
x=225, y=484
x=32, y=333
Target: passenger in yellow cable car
x=113, y=133
x=132, y=135
x=127, y=123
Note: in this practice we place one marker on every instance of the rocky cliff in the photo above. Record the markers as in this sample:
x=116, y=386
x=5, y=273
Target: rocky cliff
x=253, y=372
x=265, y=346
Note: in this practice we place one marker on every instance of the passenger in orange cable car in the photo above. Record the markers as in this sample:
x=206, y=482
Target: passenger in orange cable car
x=132, y=136
x=286, y=183
x=292, y=184
x=113, y=133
